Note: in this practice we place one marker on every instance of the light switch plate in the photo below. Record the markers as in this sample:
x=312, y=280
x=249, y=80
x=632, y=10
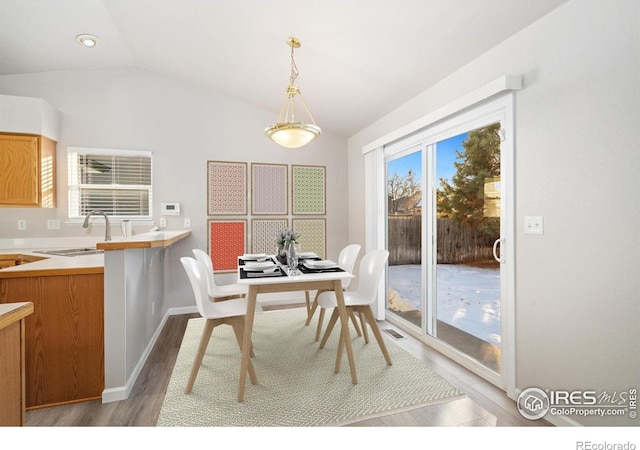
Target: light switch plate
x=53, y=224
x=534, y=225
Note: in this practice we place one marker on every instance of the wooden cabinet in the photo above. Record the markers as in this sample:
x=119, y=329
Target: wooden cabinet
x=27, y=171
x=64, y=336
x=12, y=367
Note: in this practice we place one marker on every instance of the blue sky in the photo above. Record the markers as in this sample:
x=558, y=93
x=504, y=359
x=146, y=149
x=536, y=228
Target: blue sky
x=445, y=157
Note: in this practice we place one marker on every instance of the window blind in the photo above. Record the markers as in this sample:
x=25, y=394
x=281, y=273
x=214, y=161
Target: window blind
x=118, y=182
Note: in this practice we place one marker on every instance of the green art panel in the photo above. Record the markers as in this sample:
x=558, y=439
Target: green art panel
x=309, y=189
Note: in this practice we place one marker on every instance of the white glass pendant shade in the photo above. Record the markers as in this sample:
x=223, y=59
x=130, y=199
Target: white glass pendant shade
x=292, y=134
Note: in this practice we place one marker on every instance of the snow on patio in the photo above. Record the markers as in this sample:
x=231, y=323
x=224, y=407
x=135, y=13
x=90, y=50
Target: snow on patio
x=468, y=297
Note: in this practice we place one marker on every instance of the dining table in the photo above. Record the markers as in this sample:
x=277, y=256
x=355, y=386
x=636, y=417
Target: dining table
x=280, y=279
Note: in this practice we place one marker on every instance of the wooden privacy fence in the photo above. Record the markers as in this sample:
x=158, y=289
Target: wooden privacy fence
x=457, y=243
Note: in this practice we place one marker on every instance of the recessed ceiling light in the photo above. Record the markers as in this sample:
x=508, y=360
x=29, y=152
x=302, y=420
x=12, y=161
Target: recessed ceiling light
x=88, y=40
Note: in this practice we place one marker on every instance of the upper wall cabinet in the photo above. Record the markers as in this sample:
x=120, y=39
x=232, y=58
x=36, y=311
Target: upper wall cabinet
x=27, y=171
x=29, y=129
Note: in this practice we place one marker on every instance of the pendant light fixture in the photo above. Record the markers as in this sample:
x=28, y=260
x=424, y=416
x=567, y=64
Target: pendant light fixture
x=287, y=132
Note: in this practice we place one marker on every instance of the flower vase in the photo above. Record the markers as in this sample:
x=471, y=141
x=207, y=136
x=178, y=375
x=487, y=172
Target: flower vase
x=281, y=255
x=293, y=252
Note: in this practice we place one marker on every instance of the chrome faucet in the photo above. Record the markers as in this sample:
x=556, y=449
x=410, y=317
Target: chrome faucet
x=107, y=233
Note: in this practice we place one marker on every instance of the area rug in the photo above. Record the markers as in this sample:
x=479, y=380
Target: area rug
x=297, y=384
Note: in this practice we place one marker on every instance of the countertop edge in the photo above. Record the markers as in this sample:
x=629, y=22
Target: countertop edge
x=4, y=274
x=162, y=241
x=12, y=312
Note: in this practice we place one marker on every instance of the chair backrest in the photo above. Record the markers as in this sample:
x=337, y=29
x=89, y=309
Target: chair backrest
x=347, y=261
x=205, y=260
x=370, y=271
x=197, y=274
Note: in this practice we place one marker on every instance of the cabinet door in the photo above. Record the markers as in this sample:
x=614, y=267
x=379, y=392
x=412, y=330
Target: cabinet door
x=11, y=388
x=20, y=174
x=64, y=336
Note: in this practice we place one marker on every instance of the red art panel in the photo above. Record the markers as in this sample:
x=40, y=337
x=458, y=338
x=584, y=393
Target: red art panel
x=226, y=242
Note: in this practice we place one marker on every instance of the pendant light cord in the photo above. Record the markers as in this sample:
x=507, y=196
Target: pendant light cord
x=294, y=68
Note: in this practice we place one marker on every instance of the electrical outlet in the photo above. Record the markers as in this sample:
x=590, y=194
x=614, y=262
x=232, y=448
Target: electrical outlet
x=163, y=222
x=53, y=224
x=22, y=224
x=187, y=222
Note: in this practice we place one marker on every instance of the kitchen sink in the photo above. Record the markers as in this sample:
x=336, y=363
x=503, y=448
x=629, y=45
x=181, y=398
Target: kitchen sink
x=71, y=251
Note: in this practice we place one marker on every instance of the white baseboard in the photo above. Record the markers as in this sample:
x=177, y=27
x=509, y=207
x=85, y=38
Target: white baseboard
x=114, y=394
x=118, y=393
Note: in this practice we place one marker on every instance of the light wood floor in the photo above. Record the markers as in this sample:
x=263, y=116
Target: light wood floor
x=485, y=404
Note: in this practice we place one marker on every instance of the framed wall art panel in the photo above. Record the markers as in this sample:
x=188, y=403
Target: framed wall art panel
x=269, y=188
x=309, y=187
x=226, y=188
x=312, y=235
x=227, y=240
x=264, y=232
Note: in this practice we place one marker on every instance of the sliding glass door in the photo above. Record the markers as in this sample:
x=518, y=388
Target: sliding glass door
x=465, y=226
x=404, y=236
x=445, y=234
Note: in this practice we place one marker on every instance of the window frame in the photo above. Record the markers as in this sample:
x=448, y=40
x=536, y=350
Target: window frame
x=74, y=188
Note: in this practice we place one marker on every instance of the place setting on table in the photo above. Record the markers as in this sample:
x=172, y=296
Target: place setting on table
x=261, y=265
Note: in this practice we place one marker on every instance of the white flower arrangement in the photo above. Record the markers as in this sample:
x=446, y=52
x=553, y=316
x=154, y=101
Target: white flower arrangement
x=286, y=237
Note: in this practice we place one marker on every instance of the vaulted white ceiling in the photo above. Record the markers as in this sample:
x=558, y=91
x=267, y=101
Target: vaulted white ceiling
x=359, y=59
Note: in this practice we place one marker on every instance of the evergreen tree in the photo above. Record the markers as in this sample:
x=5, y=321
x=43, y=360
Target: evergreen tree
x=463, y=200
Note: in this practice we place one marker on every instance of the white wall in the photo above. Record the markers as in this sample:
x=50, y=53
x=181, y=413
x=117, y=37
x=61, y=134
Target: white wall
x=577, y=164
x=184, y=126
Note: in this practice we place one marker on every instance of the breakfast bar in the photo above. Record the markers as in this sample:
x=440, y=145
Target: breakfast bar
x=134, y=290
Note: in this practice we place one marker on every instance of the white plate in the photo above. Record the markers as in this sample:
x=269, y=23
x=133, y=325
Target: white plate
x=253, y=266
x=322, y=264
x=255, y=256
x=304, y=255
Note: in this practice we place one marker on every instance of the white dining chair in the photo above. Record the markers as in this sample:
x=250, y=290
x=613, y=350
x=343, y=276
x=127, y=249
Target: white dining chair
x=346, y=261
x=360, y=300
x=218, y=291
x=231, y=312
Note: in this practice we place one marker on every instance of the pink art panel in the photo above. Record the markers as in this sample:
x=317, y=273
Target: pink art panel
x=226, y=188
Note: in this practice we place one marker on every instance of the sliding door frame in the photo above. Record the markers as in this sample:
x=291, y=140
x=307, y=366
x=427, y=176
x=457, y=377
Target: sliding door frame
x=500, y=107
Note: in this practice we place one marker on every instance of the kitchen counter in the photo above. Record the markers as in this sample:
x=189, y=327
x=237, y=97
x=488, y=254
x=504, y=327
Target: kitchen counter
x=132, y=274
x=51, y=265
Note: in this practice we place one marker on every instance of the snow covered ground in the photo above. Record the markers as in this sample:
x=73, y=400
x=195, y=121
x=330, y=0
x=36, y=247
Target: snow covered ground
x=468, y=297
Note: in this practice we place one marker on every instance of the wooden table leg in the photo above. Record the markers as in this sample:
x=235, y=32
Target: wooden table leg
x=314, y=306
x=307, y=300
x=246, y=340
x=344, y=322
